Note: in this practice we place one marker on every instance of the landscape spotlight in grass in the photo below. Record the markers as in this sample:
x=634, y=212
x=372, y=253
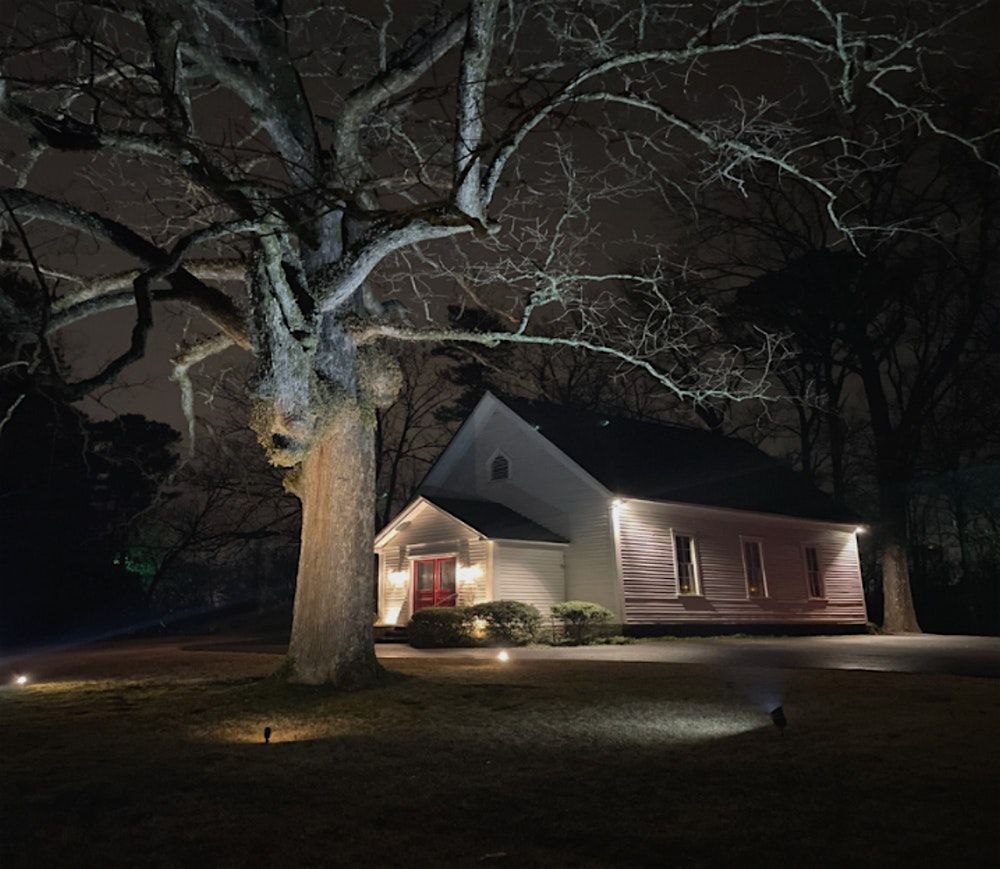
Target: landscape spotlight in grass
x=153, y=755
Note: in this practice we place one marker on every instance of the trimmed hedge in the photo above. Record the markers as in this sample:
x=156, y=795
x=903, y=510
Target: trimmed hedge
x=438, y=627
x=508, y=621
x=582, y=619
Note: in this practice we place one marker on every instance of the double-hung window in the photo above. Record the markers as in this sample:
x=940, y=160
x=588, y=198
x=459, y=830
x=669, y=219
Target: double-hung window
x=753, y=567
x=686, y=564
x=814, y=578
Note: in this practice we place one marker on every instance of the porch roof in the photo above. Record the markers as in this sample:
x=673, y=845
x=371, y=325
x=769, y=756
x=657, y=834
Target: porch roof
x=494, y=520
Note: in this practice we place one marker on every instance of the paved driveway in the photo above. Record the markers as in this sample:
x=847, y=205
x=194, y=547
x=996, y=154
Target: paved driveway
x=960, y=656
x=926, y=653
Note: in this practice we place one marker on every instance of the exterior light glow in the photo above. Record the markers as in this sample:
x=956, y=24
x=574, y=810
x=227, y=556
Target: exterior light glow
x=468, y=574
x=21, y=680
x=479, y=627
x=397, y=578
x=503, y=657
x=860, y=529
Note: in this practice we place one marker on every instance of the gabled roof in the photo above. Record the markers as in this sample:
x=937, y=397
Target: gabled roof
x=659, y=462
x=494, y=521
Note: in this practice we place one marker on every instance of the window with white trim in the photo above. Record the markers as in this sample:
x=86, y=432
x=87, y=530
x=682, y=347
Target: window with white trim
x=753, y=567
x=499, y=467
x=814, y=578
x=686, y=567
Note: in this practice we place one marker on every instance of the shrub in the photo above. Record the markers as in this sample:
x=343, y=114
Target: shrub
x=438, y=627
x=582, y=618
x=615, y=640
x=508, y=621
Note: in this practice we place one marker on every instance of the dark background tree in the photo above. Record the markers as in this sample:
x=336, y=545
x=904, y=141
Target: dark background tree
x=890, y=326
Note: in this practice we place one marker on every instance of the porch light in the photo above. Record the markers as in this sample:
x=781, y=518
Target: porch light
x=502, y=656
x=397, y=578
x=469, y=574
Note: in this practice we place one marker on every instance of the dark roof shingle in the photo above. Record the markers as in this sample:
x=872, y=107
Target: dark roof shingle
x=494, y=520
x=671, y=463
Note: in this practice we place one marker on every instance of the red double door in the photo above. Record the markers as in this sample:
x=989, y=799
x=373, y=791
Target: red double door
x=434, y=582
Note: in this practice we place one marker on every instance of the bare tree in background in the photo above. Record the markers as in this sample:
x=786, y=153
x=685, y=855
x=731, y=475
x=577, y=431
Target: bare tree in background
x=890, y=322
x=409, y=433
x=225, y=505
x=313, y=161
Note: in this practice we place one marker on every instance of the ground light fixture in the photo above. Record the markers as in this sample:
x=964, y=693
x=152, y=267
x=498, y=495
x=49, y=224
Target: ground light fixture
x=20, y=679
x=502, y=656
x=778, y=717
x=267, y=735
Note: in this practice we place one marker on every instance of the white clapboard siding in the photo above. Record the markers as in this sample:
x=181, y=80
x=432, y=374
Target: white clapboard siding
x=543, y=486
x=530, y=574
x=430, y=532
x=649, y=577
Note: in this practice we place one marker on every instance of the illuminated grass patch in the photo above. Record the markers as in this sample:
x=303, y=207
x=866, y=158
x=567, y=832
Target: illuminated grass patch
x=449, y=761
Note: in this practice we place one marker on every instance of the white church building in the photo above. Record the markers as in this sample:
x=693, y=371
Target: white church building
x=664, y=525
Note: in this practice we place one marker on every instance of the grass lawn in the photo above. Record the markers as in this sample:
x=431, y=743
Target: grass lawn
x=466, y=763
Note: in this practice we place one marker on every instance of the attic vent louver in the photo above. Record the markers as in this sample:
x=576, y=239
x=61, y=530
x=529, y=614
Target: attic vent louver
x=500, y=467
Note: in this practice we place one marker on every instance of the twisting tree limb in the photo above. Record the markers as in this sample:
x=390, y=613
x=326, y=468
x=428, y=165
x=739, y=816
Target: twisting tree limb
x=182, y=364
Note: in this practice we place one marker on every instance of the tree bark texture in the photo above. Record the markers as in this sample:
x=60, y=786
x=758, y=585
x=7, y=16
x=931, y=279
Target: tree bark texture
x=332, y=625
x=900, y=616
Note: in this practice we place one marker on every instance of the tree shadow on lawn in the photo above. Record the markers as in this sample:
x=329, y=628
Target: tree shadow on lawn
x=567, y=765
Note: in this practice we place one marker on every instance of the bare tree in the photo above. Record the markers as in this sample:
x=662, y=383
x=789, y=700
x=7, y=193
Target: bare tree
x=409, y=433
x=307, y=158
x=224, y=503
x=892, y=320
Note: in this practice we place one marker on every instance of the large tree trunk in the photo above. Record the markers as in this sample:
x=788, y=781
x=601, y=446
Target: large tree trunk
x=332, y=623
x=900, y=617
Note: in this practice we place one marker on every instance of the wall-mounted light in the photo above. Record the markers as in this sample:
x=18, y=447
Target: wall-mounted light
x=468, y=574
x=397, y=578
x=861, y=529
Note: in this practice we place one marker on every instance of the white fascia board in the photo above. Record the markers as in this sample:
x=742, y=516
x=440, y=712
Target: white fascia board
x=390, y=529
x=386, y=533
x=459, y=442
x=734, y=511
x=550, y=447
x=452, y=516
